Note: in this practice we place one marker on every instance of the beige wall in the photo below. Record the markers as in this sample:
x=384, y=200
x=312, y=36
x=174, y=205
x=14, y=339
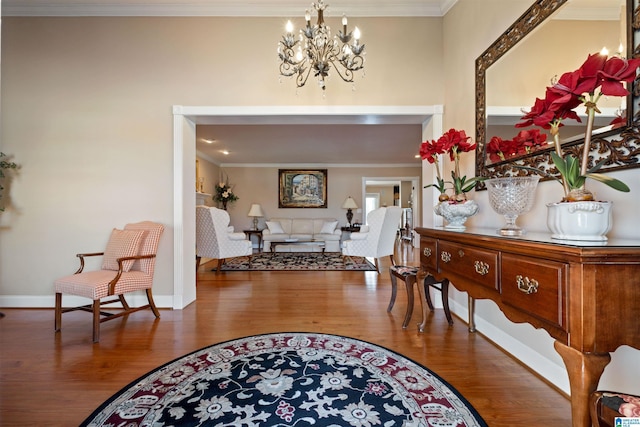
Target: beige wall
x=86, y=110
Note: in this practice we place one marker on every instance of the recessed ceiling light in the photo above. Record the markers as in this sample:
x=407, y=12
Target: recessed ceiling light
x=417, y=156
x=209, y=141
x=225, y=152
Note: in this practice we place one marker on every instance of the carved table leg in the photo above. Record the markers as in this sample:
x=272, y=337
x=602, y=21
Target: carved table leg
x=472, y=310
x=584, y=371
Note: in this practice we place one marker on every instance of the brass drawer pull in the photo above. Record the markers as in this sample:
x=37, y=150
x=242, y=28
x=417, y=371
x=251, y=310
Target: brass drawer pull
x=426, y=252
x=526, y=285
x=445, y=256
x=482, y=268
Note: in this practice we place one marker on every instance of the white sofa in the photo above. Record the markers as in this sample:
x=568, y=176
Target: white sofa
x=303, y=229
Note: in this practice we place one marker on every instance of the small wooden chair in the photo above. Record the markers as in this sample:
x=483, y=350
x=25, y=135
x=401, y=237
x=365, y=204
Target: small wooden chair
x=409, y=276
x=606, y=406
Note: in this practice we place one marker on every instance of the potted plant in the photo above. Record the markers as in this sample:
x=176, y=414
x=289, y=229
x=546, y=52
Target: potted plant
x=224, y=194
x=455, y=208
x=599, y=75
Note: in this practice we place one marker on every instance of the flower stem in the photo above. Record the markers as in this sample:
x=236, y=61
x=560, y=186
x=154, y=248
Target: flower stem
x=555, y=131
x=586, y=149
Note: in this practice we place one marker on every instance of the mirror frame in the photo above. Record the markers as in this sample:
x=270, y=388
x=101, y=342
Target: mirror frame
x=621, y=146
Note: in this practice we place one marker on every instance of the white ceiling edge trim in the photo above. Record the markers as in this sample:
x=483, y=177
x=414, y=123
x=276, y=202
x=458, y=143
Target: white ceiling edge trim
x=322, y=165
x=220, y=8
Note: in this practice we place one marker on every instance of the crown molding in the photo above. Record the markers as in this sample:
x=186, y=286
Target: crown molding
x=276, y=8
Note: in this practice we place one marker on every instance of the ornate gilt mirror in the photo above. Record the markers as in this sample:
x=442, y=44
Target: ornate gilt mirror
x=505, y=83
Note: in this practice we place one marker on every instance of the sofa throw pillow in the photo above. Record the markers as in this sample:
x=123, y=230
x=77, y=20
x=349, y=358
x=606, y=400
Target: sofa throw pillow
x=122, y=243
x=275, y=227
x=328, y=227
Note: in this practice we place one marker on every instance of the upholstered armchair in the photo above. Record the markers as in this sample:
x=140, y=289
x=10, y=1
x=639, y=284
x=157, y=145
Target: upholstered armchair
x=377, y=238
x=216, y=239
x=128, y=264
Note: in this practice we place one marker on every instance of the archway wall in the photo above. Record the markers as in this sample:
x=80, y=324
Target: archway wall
x=87, y=112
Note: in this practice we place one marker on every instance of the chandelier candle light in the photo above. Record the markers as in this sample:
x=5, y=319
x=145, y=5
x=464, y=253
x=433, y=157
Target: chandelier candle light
x=317, y=50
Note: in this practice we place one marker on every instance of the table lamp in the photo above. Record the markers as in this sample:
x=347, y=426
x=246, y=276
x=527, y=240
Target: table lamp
x=349, y=204
x=255, y=212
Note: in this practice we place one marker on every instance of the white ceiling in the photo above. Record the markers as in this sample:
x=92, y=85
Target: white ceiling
x=221, y=7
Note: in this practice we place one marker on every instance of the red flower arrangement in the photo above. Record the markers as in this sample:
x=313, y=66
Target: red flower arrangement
x=524, y=142
x=598, y=75
x=454, y=142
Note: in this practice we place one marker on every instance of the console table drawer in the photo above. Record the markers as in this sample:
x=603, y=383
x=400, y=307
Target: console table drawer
x=428, y=253
x=535, y=286
x=480, y=265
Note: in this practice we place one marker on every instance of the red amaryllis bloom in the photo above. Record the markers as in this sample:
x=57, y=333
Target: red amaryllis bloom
x=529, y=139
x=429, y=150
x=457, y=142
x=615, y=71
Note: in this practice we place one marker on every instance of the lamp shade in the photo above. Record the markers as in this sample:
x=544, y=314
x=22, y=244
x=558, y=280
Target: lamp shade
x=255, y=211
x=349, y=203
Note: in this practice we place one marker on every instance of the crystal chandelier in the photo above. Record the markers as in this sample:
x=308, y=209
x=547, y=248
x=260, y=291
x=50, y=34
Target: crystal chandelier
x=316, y=50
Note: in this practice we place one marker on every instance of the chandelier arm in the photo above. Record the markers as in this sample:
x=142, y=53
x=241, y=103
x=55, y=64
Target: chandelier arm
x=346, y=75
x=301, y=79
x=321, y=51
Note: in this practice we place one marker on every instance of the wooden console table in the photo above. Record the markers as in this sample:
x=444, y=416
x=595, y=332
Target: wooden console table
x=586, y=295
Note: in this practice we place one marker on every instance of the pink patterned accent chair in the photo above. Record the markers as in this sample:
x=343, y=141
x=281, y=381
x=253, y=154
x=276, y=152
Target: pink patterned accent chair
x=128, y=265
x=376, y=239
x=216, y=239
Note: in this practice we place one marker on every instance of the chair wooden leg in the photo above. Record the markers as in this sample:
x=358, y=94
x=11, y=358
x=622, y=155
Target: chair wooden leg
x=444, y=289
x=58, y=315
x=428, y=281
x=96, y=320
x=394, y=291
x=198, y=262
x=393, y=261
x=220, y=262
x=410, y=280
x=124, y=302
x=152, y=304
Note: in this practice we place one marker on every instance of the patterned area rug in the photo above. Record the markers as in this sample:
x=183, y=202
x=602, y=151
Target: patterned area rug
x=296, y=261
x=289, y=379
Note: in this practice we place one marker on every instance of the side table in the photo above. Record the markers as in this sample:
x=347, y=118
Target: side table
x=258, y=233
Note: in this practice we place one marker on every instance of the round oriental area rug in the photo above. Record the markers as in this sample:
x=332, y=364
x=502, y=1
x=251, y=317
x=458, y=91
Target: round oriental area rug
x=289, y=379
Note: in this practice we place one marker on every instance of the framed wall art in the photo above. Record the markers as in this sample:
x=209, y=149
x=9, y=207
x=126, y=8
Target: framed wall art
x=302, y=188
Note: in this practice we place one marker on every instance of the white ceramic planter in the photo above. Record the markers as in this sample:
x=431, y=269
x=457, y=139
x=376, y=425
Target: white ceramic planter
x=585, y=221
x=456, y=213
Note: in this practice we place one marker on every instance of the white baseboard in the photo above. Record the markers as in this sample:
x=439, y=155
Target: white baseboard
x=48, y=301
x=546, y=368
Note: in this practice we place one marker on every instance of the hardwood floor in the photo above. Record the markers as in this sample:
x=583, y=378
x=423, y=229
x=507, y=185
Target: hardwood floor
x=50, y=379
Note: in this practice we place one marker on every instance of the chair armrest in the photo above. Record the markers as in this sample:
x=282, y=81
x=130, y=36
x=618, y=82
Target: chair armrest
x=237, y=236
x=359, y=236
x=82, y=256
x=112, y=283
x=230, y=229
